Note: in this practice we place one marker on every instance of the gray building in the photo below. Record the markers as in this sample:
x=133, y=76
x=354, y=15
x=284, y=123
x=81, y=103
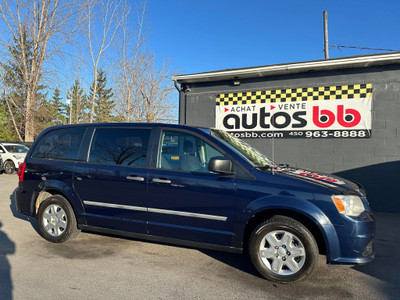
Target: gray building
x=353, y=132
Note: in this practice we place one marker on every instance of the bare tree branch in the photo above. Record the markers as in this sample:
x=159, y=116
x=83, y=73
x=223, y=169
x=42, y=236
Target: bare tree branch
x=45, y=22
x=112, y=18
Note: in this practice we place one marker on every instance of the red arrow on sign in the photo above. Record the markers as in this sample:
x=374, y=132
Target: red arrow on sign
x=272, y=107
x=226, y=109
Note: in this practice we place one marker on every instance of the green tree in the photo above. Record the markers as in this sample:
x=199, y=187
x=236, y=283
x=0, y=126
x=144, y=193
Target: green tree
x=79, y=103
x=45, y=113
x=7, y=132
x=59, y=109
x=104, y=103
x=50, y=25
x=15, y=86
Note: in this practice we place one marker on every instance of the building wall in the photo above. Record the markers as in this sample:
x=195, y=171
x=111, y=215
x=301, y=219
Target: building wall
x=374, y=161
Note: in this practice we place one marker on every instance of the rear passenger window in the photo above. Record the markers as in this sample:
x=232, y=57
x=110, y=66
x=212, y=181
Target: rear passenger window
x=118, y=146
x=60, y=144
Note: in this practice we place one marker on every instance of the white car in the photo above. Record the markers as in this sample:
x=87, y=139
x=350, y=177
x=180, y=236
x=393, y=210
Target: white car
x=1, y=165
x=12, y=155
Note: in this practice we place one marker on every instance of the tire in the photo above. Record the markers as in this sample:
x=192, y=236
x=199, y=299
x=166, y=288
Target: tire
x=56, y=218
x=283, y=250
x=9, y=167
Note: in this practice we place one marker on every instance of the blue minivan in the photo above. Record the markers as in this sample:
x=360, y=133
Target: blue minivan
x=197, y=187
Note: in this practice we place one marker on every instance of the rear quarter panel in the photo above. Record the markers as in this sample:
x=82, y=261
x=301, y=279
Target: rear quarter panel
x=54, y=176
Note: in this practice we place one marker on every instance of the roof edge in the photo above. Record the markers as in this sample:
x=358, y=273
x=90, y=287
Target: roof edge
x=290, y=68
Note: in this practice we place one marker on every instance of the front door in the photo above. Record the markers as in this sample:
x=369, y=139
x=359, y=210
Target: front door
x=186, y=201
x=112, y=184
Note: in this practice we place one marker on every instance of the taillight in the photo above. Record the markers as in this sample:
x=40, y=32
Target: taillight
x=21, y=171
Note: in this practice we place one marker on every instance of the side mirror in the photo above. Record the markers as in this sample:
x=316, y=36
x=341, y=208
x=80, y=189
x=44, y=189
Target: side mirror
x=221, y=165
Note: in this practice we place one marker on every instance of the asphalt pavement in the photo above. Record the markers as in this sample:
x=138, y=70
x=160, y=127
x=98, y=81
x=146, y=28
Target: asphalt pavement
x=95, y=266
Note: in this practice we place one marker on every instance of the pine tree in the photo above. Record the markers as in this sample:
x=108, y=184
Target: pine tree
x=59, y=109
x=45, y=113
x=104, y=102
x=16, y=87
x=6, y=131
x=79, y=103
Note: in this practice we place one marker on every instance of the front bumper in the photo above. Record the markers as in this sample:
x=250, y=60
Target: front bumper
x=355, y=241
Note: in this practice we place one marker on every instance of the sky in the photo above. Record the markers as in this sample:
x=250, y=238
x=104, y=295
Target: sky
x=207, y=35
x=200, y=36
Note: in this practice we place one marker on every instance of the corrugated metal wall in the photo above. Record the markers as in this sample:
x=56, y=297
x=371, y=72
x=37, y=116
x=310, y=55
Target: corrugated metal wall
x=374, y=162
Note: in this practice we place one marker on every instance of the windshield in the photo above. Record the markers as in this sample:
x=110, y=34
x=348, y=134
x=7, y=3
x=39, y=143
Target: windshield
x=16, y=148
x=256, y=158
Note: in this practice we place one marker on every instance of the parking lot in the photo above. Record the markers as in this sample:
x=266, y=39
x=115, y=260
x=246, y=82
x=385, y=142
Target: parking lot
x=102, y=267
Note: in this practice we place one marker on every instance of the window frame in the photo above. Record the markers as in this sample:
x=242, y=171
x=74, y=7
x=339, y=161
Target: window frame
x=158, y=147
x=89, y=140
x=45, y=134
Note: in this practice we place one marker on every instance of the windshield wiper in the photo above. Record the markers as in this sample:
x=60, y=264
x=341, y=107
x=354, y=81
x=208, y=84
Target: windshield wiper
x=284, y=165
x=266, y=166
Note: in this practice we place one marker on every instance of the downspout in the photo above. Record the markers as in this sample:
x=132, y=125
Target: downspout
x=181, y=108
x=176, y=85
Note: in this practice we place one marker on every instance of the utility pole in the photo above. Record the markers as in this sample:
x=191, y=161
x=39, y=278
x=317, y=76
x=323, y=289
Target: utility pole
x=69, y=102
x=70, y=111
x=326, y=45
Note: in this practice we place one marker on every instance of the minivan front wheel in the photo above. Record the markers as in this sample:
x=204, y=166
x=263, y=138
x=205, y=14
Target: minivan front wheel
x=283, y=250
x=57, y=222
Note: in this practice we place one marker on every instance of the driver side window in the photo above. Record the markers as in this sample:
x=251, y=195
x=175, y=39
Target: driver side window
x=185, y=152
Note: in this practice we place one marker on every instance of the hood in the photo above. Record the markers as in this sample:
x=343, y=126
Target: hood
x=321, y=178
x=18, y=156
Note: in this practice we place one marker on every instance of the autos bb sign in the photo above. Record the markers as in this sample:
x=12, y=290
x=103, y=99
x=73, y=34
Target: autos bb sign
x=342, y=111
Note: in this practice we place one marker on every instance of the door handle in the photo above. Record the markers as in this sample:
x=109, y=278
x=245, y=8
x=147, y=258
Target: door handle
x=82, y=177
x=135, y=178
x=159, y=180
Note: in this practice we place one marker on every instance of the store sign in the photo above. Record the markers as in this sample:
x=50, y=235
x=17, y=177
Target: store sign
x=315, y=112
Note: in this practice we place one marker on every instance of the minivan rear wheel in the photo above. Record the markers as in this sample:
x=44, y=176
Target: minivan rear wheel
x=56, y=218
x=9, y=167
x=283, y=250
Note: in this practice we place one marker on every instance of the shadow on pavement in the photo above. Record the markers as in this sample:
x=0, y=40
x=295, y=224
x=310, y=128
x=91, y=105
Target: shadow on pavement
x=241, y=262
x=7, y=247
x=386, y=265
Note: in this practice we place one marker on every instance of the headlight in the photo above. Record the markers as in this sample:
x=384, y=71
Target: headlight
x=349, y=205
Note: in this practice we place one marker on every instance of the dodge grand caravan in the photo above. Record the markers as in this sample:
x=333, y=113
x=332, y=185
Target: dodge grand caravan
x=199, y=187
